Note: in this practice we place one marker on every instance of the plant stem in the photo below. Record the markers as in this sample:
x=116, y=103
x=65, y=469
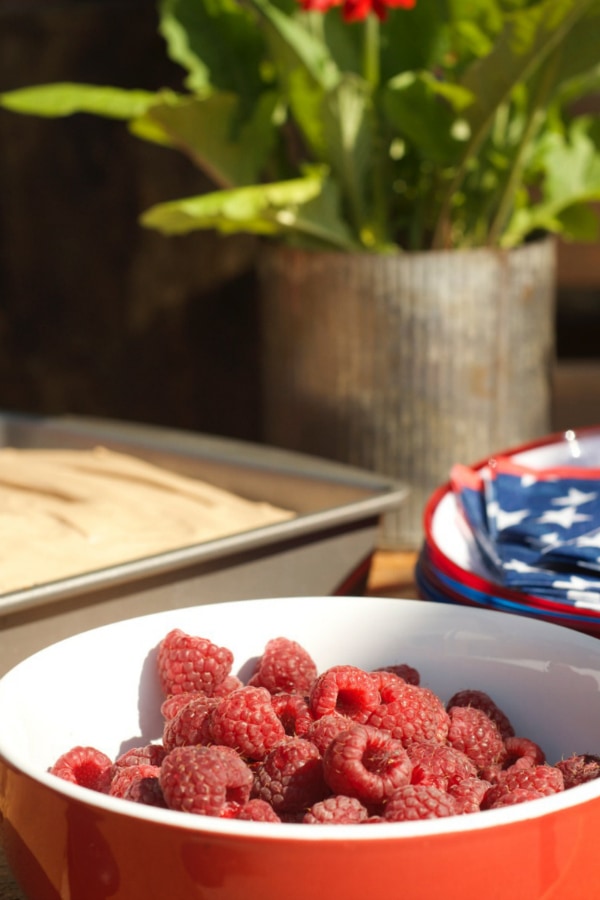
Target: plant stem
x=372, y=75
x=535, y=118
x=371, y=64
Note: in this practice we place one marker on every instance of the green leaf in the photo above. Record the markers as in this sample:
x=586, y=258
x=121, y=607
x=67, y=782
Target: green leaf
x=529, y=36
x=423, y=111
x=580, y=223
x=211, y=132
x=414, y=39
x=216, y=42
x=270, y=209
x=349, y=139
x=304, y=66
x=571, y=168
x=293, y=45
x=65, y=99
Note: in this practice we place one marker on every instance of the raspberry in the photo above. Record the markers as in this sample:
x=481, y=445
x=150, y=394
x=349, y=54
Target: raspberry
x=415, y=715
x=389, y=685
x=404, y=671
x=543, y=779
x=293, y=712
x=284, y=667
x=579, y=769
x=246, y=721
x=151, y=754
x=366, y=763
x=139, y=783
x=522, y=752
x=174, y=702
x=323, y=730
x=346, y=690
x=191, y=725
x=256, y=810
x=420, y=801
x=290, y=777
x=336, y=810
x=231, y=683
x=86, y=767
x=189, y=663
x=205, y=780
x=439, y=765
x=510, y=798
x=473, y=733
x=469, y=793
x=481, y=700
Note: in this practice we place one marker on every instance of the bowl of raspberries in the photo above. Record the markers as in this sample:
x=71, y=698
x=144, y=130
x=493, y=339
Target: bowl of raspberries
x=333, y=748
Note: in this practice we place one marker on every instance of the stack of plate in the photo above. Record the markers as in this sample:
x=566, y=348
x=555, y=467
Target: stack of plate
x=453, y=569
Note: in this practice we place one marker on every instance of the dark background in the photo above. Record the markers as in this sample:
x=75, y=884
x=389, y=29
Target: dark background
x=101, y=317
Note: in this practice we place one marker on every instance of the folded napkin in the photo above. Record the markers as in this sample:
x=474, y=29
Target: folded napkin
x=537, y=530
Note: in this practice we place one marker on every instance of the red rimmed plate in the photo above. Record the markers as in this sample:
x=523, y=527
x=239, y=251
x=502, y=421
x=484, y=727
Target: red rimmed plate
x=451, y=549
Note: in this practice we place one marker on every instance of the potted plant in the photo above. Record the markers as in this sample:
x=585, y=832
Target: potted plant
x=367, y=141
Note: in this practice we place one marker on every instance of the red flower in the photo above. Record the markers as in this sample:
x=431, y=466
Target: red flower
x=356, y=10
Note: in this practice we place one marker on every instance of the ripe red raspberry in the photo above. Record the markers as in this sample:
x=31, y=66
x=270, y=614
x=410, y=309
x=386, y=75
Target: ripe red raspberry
x=85, y=766
x=439, y=764
x=229, y=684
x=138, y=783
x=205, y=780
x=346, y=690
x=336, y=810
x=481, y=700
x=510, y=798
x=293, y=712
x=246, y=721
x=543, y=779
x=174, y=702
x=404, y=671
x=389, y=685
x=366, y=763
x=522, y=752
x=473, y=733
x=420, y=801
x=322, y=731
x=579, y=768
x=255, y=810
x=191, y=725
x=285, y=666
x=290, y=777
x=416, y=714
x=469, y=793
x=150, y=754
x=190, y=663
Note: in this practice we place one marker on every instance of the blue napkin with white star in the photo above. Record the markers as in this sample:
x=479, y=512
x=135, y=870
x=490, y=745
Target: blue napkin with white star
x=538, y=531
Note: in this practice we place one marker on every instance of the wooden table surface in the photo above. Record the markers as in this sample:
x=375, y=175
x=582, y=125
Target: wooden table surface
x=391, y=576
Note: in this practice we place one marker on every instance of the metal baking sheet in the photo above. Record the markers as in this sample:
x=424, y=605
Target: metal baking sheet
x=325, y=549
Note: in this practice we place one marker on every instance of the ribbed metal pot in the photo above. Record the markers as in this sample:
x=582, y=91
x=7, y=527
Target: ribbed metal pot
x=407, y=363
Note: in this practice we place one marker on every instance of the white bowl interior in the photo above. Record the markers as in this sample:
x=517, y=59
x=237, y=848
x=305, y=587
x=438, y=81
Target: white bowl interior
x=100, y=688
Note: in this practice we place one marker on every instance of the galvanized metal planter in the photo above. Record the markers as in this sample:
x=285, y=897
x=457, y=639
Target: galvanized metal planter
x=407, y=363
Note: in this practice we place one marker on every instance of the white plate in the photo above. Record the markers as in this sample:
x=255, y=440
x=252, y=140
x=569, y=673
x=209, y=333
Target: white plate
x=448, y=533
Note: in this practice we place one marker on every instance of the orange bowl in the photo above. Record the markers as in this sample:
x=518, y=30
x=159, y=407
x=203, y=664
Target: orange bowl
x=100, y=688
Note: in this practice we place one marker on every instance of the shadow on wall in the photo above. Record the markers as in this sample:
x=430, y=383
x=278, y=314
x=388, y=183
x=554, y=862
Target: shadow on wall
x=97, y=315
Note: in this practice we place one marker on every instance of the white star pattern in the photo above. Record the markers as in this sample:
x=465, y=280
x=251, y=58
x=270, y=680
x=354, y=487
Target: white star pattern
x=516, y=565
x=565, y=517
x=591, y=539
x=574, y=582
x=575, y=497
x=584, y=599
x=550, y=537
x=528, y=480
x=506, y=518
